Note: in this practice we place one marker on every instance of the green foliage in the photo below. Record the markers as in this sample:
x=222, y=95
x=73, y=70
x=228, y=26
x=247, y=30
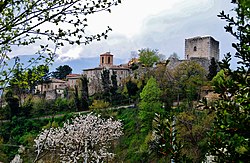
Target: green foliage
x=230, y=134
x=12, y=104
x=130, y=148
x=189, y=77
x=132, y=89
x=219, y=78
x=149, y=104
x=61, y=104
x=213, y=69
x=54, y=124
x=61, y=72
x=106, y=85
x=99, y=104
x=165, y=142
x=165, y=81
x=114, y=87
x=19, y=131
x=23, y=81
x=148, y=57
x=84, y=92
x=134, y=66
x=192, y=126
x=3, y=156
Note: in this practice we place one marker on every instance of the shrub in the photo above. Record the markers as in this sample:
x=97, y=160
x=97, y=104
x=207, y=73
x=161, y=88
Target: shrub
x=99, y=104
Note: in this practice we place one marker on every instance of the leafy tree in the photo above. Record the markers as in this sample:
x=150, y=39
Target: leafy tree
x=164, y=143
x=106, y=84
x=149, y=104
x=12, y=103
x=219, y=80
x=132, y=89
x=134, y=66
x=37, y=75
x=164, y=78
x=230, y=134
x=114, y=87
x=192, y=126
x=25, y=80
x=149, y=57
x=24, y=23
x=87, y=138
x=84, y=92
x=61, y=72
x=213, y=69
x=99, y=104
x=189, y=77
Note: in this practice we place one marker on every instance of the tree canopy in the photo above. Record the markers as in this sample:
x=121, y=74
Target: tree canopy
x=189, y=77
x=86, y=137
x=62, y=71
x=229, y=137
x=150, y=103
x=149, y=57
x=213, y=69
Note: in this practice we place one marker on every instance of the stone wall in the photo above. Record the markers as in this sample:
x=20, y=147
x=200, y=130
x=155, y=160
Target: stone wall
x=202, y=47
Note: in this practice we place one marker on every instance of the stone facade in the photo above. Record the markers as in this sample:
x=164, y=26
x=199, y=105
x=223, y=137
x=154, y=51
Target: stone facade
x=52, y=88
x=72, y=80
x=200, y=50
x=94, y=74
x=202, y=47
x=106, y=60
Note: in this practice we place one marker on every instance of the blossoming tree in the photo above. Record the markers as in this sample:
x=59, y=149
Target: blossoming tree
x=85, y=138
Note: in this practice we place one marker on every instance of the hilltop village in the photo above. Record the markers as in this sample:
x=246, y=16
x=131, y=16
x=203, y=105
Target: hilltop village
x=151, y=109
x=198, y=49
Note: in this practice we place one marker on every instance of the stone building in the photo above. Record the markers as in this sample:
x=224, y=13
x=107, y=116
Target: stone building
x=106, y=62
x=202, y=47
x=198, y=49
x=72, y=80
x=52, y=88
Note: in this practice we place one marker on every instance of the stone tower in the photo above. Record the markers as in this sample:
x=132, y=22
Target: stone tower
x=202, y=47
x=106, y=60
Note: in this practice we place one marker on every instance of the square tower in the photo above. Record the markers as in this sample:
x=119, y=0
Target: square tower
x=106, y=60
x=202, y=47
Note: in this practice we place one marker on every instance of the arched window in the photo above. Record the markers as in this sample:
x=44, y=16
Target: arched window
x=195, y=48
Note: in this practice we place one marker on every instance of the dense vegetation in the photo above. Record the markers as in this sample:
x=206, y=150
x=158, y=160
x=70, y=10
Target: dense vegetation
x=167, y=121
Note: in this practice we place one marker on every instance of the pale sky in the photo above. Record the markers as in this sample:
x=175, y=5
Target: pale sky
x=155, y=24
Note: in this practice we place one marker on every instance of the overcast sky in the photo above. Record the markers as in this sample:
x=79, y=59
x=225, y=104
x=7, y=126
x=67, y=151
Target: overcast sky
x=155, y=24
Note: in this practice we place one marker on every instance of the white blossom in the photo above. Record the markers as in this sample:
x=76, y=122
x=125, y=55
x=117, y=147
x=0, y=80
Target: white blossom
x=86, y=137
x=16, y=159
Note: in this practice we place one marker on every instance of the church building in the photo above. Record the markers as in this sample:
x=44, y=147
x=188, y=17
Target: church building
x=106, y=62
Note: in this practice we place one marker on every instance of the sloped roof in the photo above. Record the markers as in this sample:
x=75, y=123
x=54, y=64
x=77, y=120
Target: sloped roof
x=106, y=54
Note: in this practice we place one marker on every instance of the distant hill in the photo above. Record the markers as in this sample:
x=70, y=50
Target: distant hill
x=76, y=64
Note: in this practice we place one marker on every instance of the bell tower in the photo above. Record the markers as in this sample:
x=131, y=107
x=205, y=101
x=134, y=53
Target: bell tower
x=106, y=60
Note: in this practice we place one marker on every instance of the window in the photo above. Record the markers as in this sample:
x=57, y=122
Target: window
x=55, y=86
x=195, y=48
x=44, y=86
x=121, y=72
x=102, y=59
x=108, y=60
x=48, y=86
